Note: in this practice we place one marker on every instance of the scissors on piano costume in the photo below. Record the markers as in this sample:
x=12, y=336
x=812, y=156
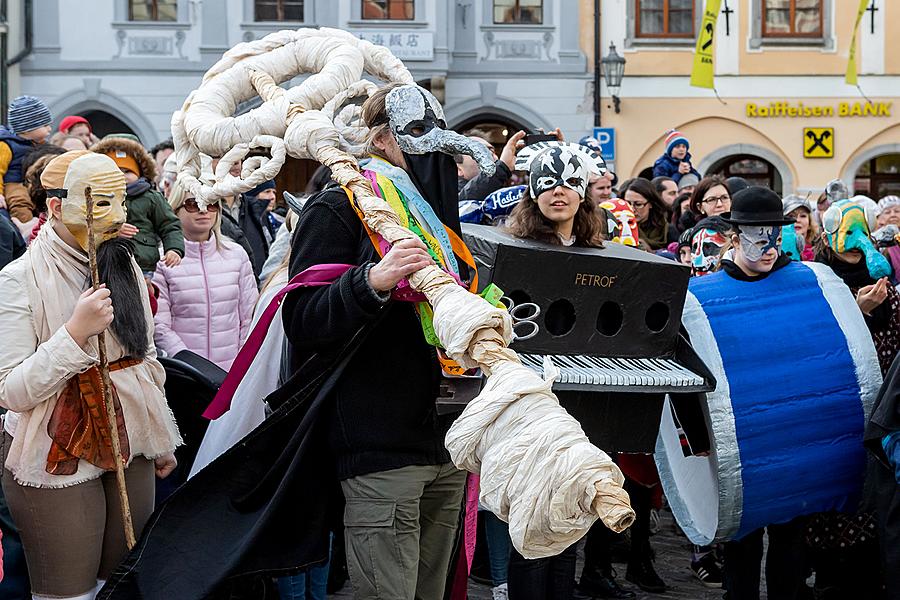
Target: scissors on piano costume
x=523, y=316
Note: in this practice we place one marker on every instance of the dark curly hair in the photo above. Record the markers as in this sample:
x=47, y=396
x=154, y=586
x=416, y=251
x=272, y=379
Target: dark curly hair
x=528, y=222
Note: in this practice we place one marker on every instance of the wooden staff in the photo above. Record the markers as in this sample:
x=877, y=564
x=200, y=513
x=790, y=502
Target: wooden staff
x=105, y=385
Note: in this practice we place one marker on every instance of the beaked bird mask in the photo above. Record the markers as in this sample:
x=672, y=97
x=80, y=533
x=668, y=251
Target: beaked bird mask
x=417, y=122
x=846, y=227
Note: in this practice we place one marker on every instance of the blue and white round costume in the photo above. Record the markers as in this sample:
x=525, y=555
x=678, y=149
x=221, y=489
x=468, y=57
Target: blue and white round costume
x=796, y=375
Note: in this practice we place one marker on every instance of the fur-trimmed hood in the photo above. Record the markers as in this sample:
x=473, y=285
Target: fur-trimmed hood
x=133, y=149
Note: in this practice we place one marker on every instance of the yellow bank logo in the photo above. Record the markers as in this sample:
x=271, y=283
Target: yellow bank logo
x=818, y=142
x=782, y=109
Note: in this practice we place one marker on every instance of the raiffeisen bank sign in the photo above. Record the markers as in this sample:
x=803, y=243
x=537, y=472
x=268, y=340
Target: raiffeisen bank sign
x=779, y=109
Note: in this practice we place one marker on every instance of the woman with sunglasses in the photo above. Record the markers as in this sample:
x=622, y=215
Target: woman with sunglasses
x=206, y=302
x=711, y=197
x=652, y=214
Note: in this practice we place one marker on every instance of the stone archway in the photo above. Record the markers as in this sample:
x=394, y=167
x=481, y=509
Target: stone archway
x=80, y=101
x=501, y=108
x=719, y=155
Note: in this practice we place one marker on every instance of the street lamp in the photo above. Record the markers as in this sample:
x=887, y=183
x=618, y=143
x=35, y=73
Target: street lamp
x=613, y=71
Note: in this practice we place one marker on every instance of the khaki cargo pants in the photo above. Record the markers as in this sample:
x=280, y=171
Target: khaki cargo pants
x=400, y=528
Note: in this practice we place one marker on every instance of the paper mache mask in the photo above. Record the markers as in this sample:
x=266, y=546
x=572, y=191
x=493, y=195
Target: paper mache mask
x=623, y=229
x=99, y=174
x=417, y=122
x=846, y=227
x=554, y=164
x=706, y=247
x=757, y=240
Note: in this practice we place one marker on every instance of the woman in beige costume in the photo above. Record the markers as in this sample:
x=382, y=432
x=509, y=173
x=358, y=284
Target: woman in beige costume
x=58, y=474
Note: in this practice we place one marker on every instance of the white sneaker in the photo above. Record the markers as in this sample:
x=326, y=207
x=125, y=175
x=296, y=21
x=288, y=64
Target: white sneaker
x=501, y=592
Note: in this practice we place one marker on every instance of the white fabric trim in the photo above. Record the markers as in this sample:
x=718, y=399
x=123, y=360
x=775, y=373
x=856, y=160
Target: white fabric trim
x=853, y=324
x=685, y=479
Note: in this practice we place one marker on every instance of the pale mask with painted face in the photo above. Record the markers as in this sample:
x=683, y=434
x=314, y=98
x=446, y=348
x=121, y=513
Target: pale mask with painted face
x=100, y=175
x=757, y=240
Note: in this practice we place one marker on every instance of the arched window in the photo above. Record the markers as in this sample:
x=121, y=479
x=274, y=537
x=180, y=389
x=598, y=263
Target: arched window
x=756, y=170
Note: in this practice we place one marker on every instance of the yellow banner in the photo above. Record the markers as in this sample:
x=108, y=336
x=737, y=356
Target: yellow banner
x=702, y=73
x=850, y=77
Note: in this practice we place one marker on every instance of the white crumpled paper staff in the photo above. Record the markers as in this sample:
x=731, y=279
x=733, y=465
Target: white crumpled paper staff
x=538, y=470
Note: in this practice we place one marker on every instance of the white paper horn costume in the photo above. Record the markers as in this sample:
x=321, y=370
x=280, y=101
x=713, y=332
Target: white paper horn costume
x=538, y=470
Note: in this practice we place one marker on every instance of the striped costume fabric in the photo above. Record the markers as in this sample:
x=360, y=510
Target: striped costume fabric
x=797, y=373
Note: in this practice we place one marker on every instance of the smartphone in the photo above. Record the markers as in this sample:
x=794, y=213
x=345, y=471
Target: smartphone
x=534, y=138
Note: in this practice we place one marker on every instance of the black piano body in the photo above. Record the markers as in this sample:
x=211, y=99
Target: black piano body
x=611, y=321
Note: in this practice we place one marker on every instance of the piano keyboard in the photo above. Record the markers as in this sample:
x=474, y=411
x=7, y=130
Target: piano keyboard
x=594, y=373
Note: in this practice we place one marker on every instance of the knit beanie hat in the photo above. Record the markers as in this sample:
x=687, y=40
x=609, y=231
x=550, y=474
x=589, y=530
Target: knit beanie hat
x=888, y=202
x=265, y=185
x=688, y=179
x=27, y=113
x=71, y=121
x=125, y=161
x=673, y=138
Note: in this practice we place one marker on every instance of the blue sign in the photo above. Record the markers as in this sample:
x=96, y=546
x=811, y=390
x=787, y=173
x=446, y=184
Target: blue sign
x=607, y=138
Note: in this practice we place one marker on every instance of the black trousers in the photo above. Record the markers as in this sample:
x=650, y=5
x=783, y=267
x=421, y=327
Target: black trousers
x=786, y=562
x=550, y=578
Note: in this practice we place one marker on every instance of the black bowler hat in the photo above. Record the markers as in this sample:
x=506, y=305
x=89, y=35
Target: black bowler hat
x=757, y=205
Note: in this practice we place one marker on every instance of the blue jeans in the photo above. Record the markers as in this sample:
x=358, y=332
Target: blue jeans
x=497, y=534
x=307, y=585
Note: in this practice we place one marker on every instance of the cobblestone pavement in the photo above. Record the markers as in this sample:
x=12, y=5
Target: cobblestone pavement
x=672, y=564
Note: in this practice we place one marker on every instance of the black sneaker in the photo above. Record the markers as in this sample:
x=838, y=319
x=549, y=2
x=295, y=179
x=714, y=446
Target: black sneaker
x=642, y=574
x=707, y=571
x=600, y=585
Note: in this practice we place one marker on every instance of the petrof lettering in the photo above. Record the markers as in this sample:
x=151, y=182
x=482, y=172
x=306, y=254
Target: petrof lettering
x=591, y=280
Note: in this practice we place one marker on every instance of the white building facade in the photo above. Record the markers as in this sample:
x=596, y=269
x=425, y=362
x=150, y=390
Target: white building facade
x=128, y=64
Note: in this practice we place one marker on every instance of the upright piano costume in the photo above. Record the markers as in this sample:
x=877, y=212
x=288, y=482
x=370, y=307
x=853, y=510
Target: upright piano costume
x=619, y=352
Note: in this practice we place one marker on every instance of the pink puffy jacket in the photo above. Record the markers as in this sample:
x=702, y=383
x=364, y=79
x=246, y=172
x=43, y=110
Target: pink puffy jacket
x=206, y=303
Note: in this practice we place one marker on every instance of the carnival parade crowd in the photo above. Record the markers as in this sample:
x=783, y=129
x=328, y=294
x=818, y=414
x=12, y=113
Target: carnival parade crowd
x=187, y=278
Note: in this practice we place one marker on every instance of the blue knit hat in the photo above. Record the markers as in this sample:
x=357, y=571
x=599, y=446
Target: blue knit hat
x=673, y=138
x=27, y=113
x=265, y=185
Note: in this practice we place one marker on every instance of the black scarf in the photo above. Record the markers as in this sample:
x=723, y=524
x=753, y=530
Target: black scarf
x=736, y=272
x=854, y=275
x=434, y=174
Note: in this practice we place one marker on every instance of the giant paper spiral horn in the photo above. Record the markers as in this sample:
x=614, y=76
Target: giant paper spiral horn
x=539, y=471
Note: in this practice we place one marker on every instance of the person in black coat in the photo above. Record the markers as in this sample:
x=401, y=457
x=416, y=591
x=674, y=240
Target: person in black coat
x=254, y=222
x=384, y=436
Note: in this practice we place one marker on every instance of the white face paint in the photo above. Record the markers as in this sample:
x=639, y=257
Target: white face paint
x=757, y=240
x=417, y=121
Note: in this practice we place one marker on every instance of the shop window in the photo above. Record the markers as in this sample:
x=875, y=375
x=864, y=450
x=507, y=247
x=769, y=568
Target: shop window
x=879, y=177
x=153, y=10
x=663, y=22
x=278, y=10
x=521, y=12
x=792, y=22
x=389, y=10
x=664, y=18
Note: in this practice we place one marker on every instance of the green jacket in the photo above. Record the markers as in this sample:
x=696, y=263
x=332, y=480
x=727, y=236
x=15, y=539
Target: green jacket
x=149, y=211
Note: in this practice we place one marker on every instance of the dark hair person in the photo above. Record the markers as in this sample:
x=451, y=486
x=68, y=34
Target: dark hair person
x=711, y=197
x=651, y=212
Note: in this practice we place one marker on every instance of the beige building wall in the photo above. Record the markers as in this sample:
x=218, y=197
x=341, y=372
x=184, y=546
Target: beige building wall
x=656, y=96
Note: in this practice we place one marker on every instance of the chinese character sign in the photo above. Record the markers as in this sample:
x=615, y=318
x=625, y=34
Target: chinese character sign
x=406, y=45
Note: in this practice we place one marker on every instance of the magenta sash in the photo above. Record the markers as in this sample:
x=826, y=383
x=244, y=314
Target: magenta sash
x=317, y=275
